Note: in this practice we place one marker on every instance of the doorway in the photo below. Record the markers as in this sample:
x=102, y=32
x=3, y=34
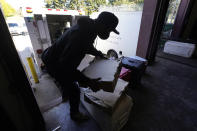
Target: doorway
x=43, y=86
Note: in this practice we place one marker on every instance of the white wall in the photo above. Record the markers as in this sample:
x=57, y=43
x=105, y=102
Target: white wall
x=129, y=26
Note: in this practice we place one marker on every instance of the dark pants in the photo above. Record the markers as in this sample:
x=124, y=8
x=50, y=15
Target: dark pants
x=71, y=90
x=70, y=87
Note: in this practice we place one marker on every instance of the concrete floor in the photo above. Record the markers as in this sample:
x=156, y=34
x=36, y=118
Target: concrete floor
x=166, y=101
x=46, y=92
x=187, y=61
x=60, y=116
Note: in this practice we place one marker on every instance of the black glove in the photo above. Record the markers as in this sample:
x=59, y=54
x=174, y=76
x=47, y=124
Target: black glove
x=94, y=84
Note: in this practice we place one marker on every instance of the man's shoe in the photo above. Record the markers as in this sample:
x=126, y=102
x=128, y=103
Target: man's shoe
x=79, y=117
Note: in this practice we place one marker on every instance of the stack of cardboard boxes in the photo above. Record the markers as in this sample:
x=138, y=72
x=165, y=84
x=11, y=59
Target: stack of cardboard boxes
x=110, y=106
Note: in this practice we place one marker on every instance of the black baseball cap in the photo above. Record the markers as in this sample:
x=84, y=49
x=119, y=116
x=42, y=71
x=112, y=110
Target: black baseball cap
x=109, y=20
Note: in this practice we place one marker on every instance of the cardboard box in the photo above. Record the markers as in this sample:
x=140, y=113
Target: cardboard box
x=107, y=101
x=113, y=121
x=107, y=70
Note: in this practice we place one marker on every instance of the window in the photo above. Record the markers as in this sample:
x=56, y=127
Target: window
x=12, y=24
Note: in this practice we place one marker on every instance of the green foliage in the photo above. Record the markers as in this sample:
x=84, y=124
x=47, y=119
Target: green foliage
x=172, y=10
x=75, y=5
x=7, y=9
x=55, y=4
x=128, y=2
x=120, y=2
x=88, y=6
x=93, y=5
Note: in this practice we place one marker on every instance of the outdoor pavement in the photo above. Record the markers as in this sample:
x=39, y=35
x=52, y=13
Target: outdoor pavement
x=46, y=92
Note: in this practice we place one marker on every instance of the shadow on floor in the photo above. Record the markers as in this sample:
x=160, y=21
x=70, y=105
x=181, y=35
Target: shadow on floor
x=60, y=116
x=167, y=100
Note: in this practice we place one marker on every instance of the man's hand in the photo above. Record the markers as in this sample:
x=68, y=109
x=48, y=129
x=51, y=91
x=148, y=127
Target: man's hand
x=104, y=57
x=94, y=84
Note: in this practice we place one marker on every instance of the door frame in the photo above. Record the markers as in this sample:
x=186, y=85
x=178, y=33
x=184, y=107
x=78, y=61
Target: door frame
x=153, y=17
x=19, y=85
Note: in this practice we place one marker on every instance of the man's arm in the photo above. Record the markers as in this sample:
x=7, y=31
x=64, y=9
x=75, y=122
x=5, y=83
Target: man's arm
x=93, y=51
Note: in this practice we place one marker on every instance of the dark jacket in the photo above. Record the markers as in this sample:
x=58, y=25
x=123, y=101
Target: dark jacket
x=68, y=51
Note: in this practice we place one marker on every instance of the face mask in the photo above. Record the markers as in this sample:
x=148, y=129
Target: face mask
x=103, y=35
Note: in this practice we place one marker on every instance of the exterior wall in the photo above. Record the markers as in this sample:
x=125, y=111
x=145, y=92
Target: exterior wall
x=126, y=41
